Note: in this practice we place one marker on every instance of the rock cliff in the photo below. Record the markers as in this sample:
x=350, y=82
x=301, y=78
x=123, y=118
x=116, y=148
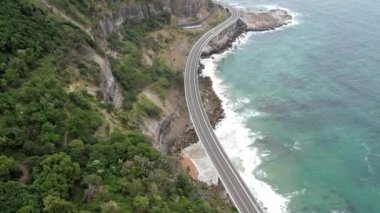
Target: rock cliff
x=110, y=89
x=187, y=8
x=132, y=12
x=129, y=13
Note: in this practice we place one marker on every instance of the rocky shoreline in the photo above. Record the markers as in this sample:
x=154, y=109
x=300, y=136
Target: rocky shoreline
x=249, y=21
x=213, y=106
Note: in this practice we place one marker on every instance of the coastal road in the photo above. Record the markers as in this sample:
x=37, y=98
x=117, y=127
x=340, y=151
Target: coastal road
x=236, y=188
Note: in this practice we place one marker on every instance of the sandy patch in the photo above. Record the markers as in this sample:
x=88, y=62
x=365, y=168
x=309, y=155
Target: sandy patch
x=190, y=167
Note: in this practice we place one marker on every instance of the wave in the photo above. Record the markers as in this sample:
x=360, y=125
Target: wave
x=237, y=138
x=206, y=171
x=367, y=160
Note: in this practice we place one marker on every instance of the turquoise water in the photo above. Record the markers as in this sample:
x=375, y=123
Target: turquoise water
x=316, y=86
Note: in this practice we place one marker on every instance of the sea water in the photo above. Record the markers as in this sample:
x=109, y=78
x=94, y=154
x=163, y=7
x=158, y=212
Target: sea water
x=302, y=107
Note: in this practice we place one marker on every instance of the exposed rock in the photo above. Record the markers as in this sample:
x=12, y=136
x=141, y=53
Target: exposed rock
x=211, y=101
x=187, y=8
x=132, y=12
x=249, y=21
x=263, y=21
x=188, y=137
x=165, y=130
x=127, y=13
x=110, y=89
x=225, y=39
x=214, y=110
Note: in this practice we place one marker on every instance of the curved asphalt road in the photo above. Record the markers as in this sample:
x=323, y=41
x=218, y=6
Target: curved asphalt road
x=237, y=189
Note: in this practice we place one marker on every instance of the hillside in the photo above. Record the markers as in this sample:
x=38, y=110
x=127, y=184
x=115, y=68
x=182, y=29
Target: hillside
x=86, y=88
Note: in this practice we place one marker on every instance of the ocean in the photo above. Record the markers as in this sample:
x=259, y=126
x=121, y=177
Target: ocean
x=302, y=107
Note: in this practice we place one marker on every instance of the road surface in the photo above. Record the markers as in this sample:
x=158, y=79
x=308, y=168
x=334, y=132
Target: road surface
x=236, y=188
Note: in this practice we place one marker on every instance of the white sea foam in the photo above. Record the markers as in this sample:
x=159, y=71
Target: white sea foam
x=296, y=146
x=206, y=170
x=235, y=137
x=366, y=158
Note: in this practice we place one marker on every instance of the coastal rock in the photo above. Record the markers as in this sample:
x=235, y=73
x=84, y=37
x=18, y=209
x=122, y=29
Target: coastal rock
x=263, y=21
x=211, y=101
x=249, y=21
x=225, y=39
x=214, y=110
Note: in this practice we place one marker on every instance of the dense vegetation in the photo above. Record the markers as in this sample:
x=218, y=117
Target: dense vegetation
x=131, y=72
x=51, y=159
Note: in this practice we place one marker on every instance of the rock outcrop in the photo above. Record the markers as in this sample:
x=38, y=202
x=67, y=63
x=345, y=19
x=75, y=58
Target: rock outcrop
x=249, y=21
x=128, y=13
x=110, y=89
x=132, y=12
x=214, y=110
x=187, y=8
x=225, y=39
x=264, y=21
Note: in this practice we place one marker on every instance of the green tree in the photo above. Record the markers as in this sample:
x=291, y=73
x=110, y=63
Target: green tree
x=7, y=164
x=141, y=203
x=16, y=197
x=134, y=187
x=143, y=166
x=54, y=204
x=56, y=174
x=76, y=150
x=111, y=207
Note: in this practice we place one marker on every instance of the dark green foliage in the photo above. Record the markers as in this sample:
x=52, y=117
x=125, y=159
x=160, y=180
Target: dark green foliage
x=53, y=204
x=36, y=112
x=26, y=34
x=133, y=75
x=15, y=196
x=7, y=164
x=56, y=175
x=50, y=130
x=35, y=116
x=76, y=150
x=140, y=203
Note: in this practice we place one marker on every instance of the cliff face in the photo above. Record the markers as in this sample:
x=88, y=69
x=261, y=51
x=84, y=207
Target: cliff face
x=187, y=8
x=127, y=13
x=109, y=87
x=131, y=12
